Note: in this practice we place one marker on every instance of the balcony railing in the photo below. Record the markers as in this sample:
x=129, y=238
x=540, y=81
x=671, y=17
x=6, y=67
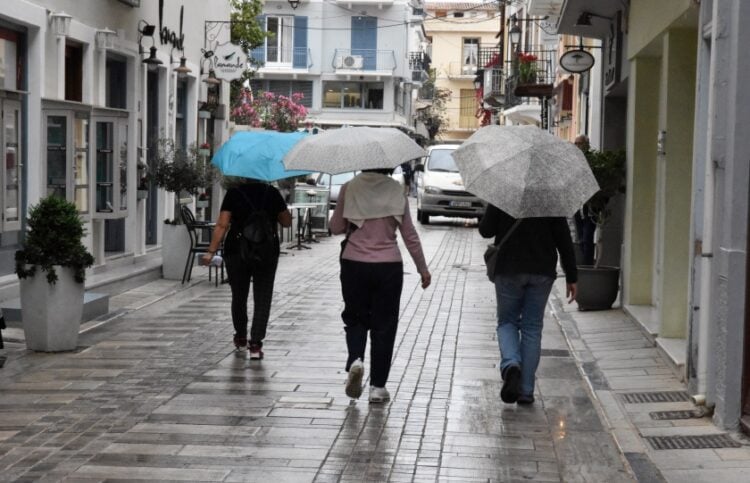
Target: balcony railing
x=532, y=74
x=364, y=60
x=458, y=69
x=282, y=58
x=489, y=56
x=419, y=64
x=494, y=86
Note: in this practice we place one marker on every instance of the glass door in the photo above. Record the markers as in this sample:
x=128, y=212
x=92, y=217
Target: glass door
x=105, y=177
x=81, y=162
x=110, y=167
x=66, y=145
x=10, y=139
x=57, y=149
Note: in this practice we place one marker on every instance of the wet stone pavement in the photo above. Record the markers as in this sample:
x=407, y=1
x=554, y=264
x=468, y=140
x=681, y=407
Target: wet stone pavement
x=158, y=394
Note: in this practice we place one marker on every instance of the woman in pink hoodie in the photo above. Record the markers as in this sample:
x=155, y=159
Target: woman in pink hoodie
x=370, y=209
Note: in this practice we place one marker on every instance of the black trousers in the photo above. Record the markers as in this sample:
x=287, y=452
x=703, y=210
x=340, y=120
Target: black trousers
x=372, y=294
x=240, y=276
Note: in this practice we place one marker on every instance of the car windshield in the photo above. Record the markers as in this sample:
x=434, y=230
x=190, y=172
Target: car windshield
x=336, y=179
x=441, y=160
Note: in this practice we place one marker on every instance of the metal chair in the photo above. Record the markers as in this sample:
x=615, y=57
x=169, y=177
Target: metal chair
x=197, y=247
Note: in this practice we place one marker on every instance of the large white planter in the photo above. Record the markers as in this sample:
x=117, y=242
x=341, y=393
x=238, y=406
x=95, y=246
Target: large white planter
x=51, y=313
x=175, y=247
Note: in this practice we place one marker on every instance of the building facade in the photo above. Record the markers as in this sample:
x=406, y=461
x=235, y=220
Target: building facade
x=82, y=112
x=463, y=36
x=356, y=62
x=685, y=272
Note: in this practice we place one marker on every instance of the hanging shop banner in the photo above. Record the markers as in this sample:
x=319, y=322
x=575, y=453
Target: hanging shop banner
x=576, y=61
x=230, y=61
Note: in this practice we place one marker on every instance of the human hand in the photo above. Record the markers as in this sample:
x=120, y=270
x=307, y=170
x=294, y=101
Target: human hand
x=206, y=259
x=571, y=291
x=426, y=279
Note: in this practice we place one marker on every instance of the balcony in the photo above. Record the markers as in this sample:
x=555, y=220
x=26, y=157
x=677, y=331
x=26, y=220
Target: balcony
x=494, y=86
x=419, y=64
x=281, y=59
x=533, y=74
x=459, y=71
x=360, y=61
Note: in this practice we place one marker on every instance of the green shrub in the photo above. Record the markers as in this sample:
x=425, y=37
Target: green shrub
x=53, y=237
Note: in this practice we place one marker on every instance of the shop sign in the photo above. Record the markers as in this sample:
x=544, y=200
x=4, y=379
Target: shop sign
x=167, y=35
x=613, y=53
x=577, y=61
x=230, y=62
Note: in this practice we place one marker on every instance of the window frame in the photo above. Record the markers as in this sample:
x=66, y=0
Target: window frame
x=363, y=95
x=284, y=22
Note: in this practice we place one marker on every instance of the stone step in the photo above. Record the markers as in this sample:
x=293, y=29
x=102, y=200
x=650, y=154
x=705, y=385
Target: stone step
x=95, y=304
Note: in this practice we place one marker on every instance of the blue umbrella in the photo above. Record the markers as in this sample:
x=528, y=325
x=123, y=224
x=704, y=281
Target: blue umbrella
x=257, y=155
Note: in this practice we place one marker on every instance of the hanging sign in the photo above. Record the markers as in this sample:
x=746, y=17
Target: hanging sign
x=576, y=61
x=230, y=61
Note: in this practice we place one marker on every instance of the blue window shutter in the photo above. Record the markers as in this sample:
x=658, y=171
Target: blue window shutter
x=365, y=40
x=299, y=57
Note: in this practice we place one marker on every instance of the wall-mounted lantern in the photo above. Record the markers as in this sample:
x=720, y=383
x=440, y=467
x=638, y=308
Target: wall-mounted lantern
x=60, y=23
x=294, y=4
x=105, y=38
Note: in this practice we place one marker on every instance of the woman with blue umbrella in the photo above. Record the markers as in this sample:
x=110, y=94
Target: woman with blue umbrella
x=248, y=216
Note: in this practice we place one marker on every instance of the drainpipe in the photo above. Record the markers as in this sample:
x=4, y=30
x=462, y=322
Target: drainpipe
x=706, y=263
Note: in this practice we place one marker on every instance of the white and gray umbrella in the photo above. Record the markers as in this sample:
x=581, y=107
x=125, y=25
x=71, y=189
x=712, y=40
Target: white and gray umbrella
x=524, y=171
x=352, y=149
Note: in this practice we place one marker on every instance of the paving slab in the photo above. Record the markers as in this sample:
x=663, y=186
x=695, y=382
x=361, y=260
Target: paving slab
x=158, y=393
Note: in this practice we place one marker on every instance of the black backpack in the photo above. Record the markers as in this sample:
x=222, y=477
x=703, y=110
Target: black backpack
x=257, y=237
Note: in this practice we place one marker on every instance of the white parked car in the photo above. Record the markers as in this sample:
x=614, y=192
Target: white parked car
x=334, y=182
x=440, y=189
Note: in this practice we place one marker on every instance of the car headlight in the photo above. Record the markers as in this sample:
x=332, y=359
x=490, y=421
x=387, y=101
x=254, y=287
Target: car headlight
x=431, y=190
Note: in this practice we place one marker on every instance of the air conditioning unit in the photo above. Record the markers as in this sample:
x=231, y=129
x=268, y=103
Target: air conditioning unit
x=350, y=62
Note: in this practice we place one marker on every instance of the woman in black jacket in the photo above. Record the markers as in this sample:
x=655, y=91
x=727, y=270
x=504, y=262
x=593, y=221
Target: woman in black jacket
x=526, y=268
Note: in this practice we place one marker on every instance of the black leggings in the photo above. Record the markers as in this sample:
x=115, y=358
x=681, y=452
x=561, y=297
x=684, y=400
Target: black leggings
x=240, y=275
x=372, y=294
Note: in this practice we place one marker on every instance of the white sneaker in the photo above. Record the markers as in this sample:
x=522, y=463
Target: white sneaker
x=379, y=394
x=354, y=379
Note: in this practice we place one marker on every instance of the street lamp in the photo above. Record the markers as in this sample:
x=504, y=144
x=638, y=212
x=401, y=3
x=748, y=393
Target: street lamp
x=211, y=80
x=515, y=31
x=183, y=69
x=152, y=62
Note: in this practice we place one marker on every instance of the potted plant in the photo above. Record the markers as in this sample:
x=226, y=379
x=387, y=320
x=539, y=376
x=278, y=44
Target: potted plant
x=526, y=68
x=183, y=172
x=598, y=284
x=204, y=149
x=142, y=192
x=51, y=268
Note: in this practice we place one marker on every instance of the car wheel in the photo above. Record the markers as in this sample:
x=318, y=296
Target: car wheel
x=424, y=218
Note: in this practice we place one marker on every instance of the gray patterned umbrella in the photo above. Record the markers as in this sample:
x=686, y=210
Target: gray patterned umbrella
x=524, y=171
x=351, y=149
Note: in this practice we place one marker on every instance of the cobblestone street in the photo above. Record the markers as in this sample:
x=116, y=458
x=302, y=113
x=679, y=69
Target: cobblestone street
x=158, y=394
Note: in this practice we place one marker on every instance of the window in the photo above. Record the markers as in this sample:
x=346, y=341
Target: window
x=73, y=72
x=10, y=143
x=285, y=88
x=279, y=43
x=469, y=55
x=181, y=115
x=111, y=164
x=11, y=67
x=441, y=13
x=458, y=14
x=468, y=109
x=67, y=144
x=116, y=75
x=357, y=95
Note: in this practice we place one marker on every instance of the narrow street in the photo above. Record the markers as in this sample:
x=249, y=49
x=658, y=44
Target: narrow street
x=158, y=394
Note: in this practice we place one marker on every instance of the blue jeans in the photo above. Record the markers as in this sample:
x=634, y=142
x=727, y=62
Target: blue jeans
x=521, y=299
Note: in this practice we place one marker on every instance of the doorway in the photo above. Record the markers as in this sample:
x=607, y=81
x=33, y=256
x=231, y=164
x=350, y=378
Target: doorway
x=152, y=142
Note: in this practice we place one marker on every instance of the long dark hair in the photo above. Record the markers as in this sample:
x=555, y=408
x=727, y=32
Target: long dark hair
x=385, y=171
